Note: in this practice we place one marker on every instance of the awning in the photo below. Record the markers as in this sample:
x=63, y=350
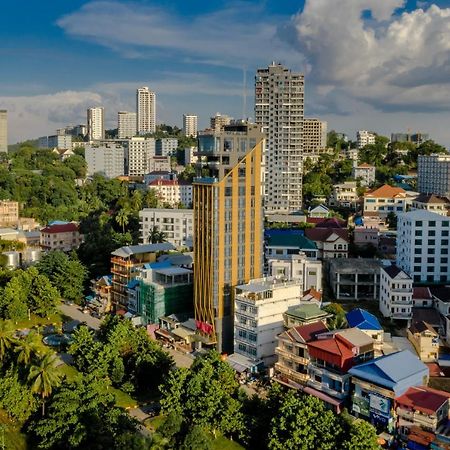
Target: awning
x=326, y=398
x=241, y=363
x=164, y=333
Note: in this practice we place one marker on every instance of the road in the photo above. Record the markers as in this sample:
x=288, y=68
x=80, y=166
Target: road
x=74, y=313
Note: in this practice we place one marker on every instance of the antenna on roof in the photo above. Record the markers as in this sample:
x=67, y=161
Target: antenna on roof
x=244, y=93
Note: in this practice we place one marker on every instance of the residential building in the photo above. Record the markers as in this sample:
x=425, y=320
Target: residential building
x=422, y=297
x=432, y=203
x=384, y=200
x=318, y=212
x=365, y=173
x=96, y=123
x=377, y=383
x=355, y=278
x=9, y=213
x=228, y=225
x=166, y=146
x=423, y=246
x=139, y=152
x=396, y=292
x=314, y=135
x=416, y=138
x=63, y=154
x=344, y=195
x=159, y=164
x=146, y=110
x=352, y=154
x=107, y=158
x=219, y=121
x=159, y=175
x=363, y=138
x=364, y=236
x=291, y=368
x=433, y=174
x=369, y=324
x=101, y=287
x=3, y=130
x=425, y=340
x=190, y=125
x=173, y=192
x=441, y=299
x=258, y=316
x=424, y=408
x=176, y=224
x=125, y=261
x=61, y=236
x=63, y=142
x=283, y=243
x=161, y=288
x=190, y=156
x=297, y=267
x=331, y=242
x=279, y=108
x=331, y=357
x=126, y=124
x=304, y=314
x=73, y=130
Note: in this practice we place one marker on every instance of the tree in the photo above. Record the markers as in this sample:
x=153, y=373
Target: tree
x=197, y=439
x=85, y=350
x=26, y=349
x=155, y=236
x=361, y=436
x=391, y=220
x=151, y=199
x=43, y=297
x=137, y=200
x=44, y=377
x=122, y=218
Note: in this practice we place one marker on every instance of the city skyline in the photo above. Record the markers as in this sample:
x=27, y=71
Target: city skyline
x=366, y=75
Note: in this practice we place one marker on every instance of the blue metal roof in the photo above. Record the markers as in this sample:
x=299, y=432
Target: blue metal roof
x=132, y=284
x=358, y=220
x=158, y=265
x=58, y=222
x=362, y=319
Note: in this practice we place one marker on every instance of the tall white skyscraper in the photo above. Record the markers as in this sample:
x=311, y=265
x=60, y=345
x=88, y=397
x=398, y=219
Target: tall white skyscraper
x=190, y=123
x=96, y=123
x=3, y=130
x=126, y=124
x=279, y=108
x=146, y=110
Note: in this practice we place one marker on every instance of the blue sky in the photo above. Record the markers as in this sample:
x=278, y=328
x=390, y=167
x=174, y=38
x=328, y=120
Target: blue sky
x=383, y=66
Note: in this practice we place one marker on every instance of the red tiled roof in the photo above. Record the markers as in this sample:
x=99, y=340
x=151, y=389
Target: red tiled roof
x=421, y=293
x=386, y=191
x=332, y=222
x=322, y=234
x=424, y=399
x=316, y=294
x=65, y=228
x=308, y=332
x=435, y=369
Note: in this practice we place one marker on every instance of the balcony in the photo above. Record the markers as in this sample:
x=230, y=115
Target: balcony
x=292, y=374
x=324, y=388
x=291, y=356
x=418, y=418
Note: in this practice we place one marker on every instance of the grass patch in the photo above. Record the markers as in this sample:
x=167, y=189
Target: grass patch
x=34, y=321
x=222, y=443
x=123, y=399
x=10, y=430
x=153, y=423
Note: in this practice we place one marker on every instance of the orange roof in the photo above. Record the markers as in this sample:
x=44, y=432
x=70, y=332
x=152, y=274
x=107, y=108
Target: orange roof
x=365, y=166
x=313, y=293
x=386, y=191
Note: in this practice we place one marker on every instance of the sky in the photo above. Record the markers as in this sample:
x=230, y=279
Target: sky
x=368, y=64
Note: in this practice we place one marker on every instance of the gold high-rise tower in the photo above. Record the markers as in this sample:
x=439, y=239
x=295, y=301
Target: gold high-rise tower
x=228, y=225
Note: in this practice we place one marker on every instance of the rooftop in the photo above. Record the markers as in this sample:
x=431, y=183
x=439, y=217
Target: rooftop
x=393, y=270
x=355, y=337
x=63, y=228
x=421, y=293
x=429, y=315
x=386, y=191
x=355, y=265
x=422, y=214
x=424, y=399
x=127, y=251
x=432, y=198
x=307, y=312
x=265, y=284
x=326, y=234
x=441, y=292
x=305, y=333
x=288, y=238
x=421, y=326
x=362, y=319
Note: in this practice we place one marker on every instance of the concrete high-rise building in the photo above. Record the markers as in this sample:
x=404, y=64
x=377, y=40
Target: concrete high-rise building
x=228, y=225
x=190, y=124
x=138, y=154
x=279, y=108
x=107, y=158
x=126, y=124
x=363, y=138
x=166, y=146
x=219, y=121
x=146, y=110
x=3, y=130
x=433, y=174
x=96, y=123
x=314, y=135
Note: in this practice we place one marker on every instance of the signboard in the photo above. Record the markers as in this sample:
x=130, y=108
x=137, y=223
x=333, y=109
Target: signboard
x=380, y=405
x=378, y=419
x=361, y=406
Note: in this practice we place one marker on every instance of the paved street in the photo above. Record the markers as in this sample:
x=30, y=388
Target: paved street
x=181, y=359
x=74, y=313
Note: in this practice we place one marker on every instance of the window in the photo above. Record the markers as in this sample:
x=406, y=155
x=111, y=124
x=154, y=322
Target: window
x=432, y=233
x=431, y=242
x=418, y=223
x=418, y=232
x=444, y=232
x=418, y=242
x=432, y=223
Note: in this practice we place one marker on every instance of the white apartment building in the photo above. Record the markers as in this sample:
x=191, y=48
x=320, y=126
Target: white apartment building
x=146, y=110
x=298, y=267
x=59, y=141
x=279, y=108
x=344, y=195
x=364, y=137
x=189, y=155
x=314, y=135
x=126, y=124
x=396, y=293
x=173, y=192
x=364, y=172
x=107, y=158
x=176, y=224
x=423, y=246
x=219, y=121
x=159, y=164
x=433, y=174
x=3, y=130
x=166, y=146
x=138, y=154
x=96, y=123
x=190, y=125
x=258, y=316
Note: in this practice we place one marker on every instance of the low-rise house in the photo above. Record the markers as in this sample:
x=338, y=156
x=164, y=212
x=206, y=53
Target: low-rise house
x=441, y=299
x=61, y=236
x=425, y=340
x=431, y=202
x=320, y=211
x=312, y=296
x=291, y=368
x=101, y=287
x=363, y=236
x=258, y=316
x=369, y=324
x=422, y=297
x=387, y=246
x=344, y=195
x=396, y=292
x=331, y=357
x=355, y=278
x=422, y=407
x=281, y=244
x=377, y=383
x=331, y=242
x=430, y=316
x=365, y=173
x=384, y=200
x=304, y=315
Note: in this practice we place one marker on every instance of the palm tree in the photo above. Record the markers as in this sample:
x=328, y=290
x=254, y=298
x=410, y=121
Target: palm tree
x=137, y=200
x=26, y=350
x=44, y=377
x=6, y=338
x=155, y=236
x=122, y=218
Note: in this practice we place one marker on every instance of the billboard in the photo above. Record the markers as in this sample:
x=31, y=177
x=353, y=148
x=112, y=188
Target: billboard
x=380, y=405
